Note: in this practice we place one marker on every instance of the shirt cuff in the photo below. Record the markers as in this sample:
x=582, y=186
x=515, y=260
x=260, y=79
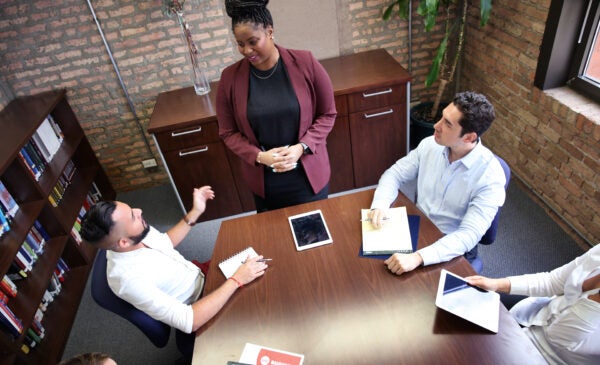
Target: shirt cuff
x=429, y=255
x=518, y=285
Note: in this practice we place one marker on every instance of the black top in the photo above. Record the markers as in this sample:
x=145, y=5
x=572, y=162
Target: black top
x=273, y=109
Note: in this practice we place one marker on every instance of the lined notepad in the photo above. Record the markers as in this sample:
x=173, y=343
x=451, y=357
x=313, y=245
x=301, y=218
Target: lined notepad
x=230, y=265
x=392, y=237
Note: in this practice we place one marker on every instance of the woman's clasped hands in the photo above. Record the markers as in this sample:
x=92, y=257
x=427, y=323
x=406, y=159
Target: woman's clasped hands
x=281, y=159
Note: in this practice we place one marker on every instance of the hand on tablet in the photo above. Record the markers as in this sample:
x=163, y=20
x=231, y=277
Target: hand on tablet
x=250, y=270
x=498, y=285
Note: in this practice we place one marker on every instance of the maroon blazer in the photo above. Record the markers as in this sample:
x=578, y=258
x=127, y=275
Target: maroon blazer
x=314, y=91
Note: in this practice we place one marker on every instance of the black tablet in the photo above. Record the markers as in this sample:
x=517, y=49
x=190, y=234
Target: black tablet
x=309, y=230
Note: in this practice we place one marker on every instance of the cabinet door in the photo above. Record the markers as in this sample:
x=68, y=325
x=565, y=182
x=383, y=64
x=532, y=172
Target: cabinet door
x=340, y=156
x=378, y=140
x=205, y=164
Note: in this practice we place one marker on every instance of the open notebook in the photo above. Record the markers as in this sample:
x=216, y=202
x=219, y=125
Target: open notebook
x=231, y=264
x=394, y=236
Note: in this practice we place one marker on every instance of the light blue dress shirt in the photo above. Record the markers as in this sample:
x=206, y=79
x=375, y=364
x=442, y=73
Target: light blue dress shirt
x=461, y=198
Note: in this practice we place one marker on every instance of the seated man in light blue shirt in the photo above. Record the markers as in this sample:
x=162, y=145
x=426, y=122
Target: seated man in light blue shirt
x=460, y=184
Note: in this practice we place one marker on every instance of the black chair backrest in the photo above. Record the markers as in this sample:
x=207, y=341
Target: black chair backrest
x=490, y=235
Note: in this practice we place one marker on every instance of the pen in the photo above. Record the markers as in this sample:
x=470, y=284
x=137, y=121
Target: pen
x=259, y=260
x=368, y=220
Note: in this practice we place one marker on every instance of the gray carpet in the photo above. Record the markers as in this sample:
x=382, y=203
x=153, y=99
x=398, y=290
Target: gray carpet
x=528, y=241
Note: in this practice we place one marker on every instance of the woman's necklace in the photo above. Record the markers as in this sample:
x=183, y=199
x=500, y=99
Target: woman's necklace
x=267, y=76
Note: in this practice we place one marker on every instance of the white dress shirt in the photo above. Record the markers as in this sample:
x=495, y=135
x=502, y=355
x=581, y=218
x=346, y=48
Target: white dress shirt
x=157, y=280
x=461, y=198
x=561, y=321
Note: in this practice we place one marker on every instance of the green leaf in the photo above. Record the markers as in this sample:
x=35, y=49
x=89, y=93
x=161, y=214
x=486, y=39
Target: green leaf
x=387, y=14
x=486, y=9
x=437, y=60
x=429, y=10
x=402, y=10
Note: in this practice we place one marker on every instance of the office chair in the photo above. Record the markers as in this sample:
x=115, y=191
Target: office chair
x=490, y=235
x=157, y=332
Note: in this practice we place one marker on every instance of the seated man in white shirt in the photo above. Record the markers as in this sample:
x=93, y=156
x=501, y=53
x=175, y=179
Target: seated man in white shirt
x=460, y=183
x=144, y=269
x=562, y=314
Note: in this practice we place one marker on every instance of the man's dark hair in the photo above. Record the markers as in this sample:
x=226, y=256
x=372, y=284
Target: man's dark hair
x=250, y=11
x=98, y=222
x=478, y=112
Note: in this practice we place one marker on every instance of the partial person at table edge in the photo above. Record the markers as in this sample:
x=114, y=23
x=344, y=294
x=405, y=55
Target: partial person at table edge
x=562, y=314
x=275, y=109
x=459, y=183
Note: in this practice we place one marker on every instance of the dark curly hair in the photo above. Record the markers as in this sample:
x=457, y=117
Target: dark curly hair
x=478, y=112
x=248, y=11
x=97, y=222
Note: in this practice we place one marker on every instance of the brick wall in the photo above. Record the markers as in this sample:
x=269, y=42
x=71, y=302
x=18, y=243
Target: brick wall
x=45, y=46
x=48, y=45
x=552, y=149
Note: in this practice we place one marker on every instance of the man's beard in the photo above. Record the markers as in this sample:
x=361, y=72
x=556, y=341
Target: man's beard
x=137, y=239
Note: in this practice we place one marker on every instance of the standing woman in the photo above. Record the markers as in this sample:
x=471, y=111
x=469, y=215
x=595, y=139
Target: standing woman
x=275, y=108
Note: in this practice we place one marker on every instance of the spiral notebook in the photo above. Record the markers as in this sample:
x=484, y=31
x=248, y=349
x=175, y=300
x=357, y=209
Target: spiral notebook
x=231, y=264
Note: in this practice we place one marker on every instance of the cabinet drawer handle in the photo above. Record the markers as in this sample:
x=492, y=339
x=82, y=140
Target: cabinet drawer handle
x=203, y=149
x=177, y=134
x=367, y=116
x=365, y=95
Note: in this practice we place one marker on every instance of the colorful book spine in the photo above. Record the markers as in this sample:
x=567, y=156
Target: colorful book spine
x=8, y=317
x=30, y=164
x=8, y=286
x=8, y=201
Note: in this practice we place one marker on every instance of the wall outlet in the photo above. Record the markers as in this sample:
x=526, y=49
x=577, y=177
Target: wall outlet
x=150, y=163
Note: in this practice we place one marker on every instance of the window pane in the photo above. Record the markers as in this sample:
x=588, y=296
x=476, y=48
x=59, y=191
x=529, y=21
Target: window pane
x=592, y=68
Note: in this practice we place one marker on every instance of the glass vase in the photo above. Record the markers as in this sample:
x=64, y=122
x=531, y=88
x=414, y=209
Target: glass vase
x=201, y=85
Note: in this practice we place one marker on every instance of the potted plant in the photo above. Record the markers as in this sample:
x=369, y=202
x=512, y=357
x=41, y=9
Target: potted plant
x=447, y=54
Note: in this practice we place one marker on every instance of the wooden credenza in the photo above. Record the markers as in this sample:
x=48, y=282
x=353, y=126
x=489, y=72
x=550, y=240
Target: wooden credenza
x=370, y=133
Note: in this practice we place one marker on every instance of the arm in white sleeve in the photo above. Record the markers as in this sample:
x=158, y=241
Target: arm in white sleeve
x=404, y=170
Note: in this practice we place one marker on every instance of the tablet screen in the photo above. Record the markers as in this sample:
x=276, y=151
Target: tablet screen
x=309, y=230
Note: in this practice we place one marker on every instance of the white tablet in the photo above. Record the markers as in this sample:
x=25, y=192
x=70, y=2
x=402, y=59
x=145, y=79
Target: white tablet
x=309, y=230
x=476, y=305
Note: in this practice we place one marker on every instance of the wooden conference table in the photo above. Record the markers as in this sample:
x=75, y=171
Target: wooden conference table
x=336, y=307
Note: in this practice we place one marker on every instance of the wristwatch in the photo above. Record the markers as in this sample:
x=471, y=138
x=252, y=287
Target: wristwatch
x=305, y=148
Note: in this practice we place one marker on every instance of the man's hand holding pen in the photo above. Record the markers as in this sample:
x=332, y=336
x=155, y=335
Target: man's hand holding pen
x=377, y=217
x=251, y=269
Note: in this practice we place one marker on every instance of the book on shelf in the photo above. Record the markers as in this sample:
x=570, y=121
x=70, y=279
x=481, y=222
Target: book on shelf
x=32, y=338
x=35, y=156
x=95, y=193
x=8, y=201
x=4, y=223
x=8, y=286
x=35, y=172
x=11, y=322
x=23, y=262
x=57, y=130
x=46, y=136
x=39, y=229
x=3, y=297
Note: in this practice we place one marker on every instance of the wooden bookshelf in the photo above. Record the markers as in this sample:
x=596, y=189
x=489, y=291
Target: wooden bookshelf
x=19, y=121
